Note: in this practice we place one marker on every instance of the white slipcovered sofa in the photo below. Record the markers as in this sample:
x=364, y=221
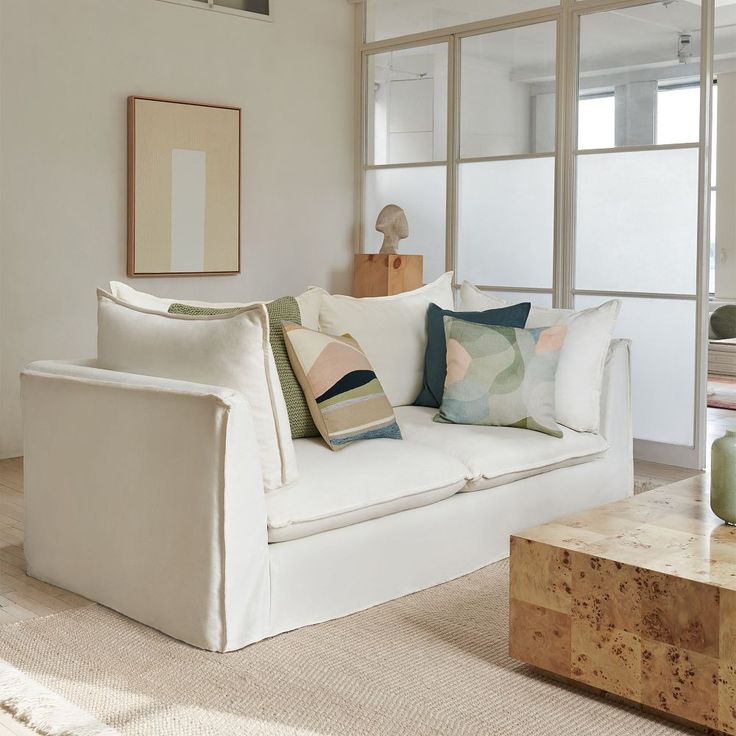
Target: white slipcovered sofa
x=139, y=496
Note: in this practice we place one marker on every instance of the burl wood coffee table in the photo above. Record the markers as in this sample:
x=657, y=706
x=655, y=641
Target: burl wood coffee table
x=638, y=599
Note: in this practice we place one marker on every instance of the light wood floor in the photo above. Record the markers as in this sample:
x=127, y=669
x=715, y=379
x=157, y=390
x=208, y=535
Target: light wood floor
x=719, y=420
x=22, y=597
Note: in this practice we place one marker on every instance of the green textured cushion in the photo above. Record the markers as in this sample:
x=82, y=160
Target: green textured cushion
x=723, y=322
x=285, y=309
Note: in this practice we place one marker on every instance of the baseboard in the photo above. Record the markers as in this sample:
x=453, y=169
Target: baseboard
x=664, y=453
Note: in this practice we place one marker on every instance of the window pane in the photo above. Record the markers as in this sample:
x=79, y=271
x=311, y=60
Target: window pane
x=597, y=122
x=635, y=52
x=251, y=6
x=713, y=251
x=662, y=332
x=389, y=18
x=407, y=106
x=507, y=100
x=637, y=219
x=678, y=115
x=421, y=192
x=723, y=213
x=714, y=138
x=506, y=222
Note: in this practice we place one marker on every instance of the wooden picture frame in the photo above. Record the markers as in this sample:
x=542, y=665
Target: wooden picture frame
x=184, y=188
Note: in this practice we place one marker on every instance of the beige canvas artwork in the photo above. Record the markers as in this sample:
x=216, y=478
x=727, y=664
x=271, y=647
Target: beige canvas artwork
x=183, y=188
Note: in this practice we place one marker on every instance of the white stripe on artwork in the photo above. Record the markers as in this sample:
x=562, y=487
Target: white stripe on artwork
x=188, y=193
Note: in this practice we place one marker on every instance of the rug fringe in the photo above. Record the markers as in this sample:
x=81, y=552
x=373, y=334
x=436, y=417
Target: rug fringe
x=42, y=710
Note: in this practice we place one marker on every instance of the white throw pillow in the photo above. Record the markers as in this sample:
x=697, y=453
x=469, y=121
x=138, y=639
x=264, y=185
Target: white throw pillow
x=309, y=302
x=136, y=298
x=472, y=299
x=392, y=332
x=582, y=358
x=230, y=351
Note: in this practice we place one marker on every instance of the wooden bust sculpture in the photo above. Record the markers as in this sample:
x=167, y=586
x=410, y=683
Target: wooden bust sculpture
x=393, y=224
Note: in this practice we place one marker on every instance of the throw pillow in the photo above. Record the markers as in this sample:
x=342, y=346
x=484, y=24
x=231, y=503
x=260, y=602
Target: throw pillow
x=723, y=322
x=501, y=376
x=579, y=380
x=435, y=364
x=229, y=351
x=280, y=310
x=343, y=393
x=391, y=330
x=473, y=299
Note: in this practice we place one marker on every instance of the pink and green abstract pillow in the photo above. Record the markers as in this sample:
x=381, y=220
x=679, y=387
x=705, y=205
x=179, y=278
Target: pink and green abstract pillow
x=343, y=394
x=501, y=376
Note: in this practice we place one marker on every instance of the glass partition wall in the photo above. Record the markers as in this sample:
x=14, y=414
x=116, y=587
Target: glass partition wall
x=636, y=224
x=506, y=163
x=560, y=153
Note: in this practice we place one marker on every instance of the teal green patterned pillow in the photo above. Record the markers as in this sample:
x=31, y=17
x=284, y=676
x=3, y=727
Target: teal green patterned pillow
x=501, y=376
x=285, y=309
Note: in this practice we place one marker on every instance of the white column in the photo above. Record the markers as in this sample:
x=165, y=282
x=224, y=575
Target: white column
x=636, y=114
x=543, y=122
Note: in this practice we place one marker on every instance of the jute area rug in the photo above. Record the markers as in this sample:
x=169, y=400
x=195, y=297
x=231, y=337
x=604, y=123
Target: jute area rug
x=432, y=663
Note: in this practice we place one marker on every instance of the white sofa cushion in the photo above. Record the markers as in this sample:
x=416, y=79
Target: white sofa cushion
x=582, y=358
x=309, y=302
x=153, y=303
x=473, y=299
x=364, y=481
x=229, y=351
x=391, y=330
x=494, y=456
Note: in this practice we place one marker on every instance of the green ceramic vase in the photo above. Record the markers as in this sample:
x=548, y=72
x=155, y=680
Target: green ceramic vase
x=723, y=477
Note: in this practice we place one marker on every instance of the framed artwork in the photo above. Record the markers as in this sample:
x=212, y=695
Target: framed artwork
x=183, y=188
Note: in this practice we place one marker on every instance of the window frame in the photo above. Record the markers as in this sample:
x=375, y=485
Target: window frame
x=568, y=15
x=211, y=5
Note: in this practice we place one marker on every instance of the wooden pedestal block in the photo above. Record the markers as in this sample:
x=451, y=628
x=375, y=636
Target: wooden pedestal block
x=383, y=275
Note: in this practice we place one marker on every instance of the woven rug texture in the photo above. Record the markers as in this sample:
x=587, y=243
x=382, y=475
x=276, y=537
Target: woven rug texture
x=435, y=662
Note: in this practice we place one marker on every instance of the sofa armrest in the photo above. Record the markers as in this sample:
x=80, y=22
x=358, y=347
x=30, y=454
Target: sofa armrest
x=145, y=494
x=616, y=422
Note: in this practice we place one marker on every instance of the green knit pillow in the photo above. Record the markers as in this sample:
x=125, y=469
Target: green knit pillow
x=723, y=322
x=285, y=309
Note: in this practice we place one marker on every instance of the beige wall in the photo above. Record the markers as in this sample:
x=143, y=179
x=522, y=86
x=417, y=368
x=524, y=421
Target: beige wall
x=66, y=69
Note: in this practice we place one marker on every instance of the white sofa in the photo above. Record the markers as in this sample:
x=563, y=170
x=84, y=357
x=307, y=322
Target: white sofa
x=139, y=496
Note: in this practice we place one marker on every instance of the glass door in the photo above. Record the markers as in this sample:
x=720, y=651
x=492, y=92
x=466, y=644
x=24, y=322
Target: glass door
x=406, y=148
x=506, y=164
x=637, y=205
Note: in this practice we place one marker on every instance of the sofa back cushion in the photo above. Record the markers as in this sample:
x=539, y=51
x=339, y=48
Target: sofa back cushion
x=285, y=309
x=228, y=350
x=579, y=379
x=309, y=302
x=391, y=330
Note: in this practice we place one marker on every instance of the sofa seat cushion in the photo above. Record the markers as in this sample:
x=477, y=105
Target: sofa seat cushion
x=366, y=480
x=495, y=456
